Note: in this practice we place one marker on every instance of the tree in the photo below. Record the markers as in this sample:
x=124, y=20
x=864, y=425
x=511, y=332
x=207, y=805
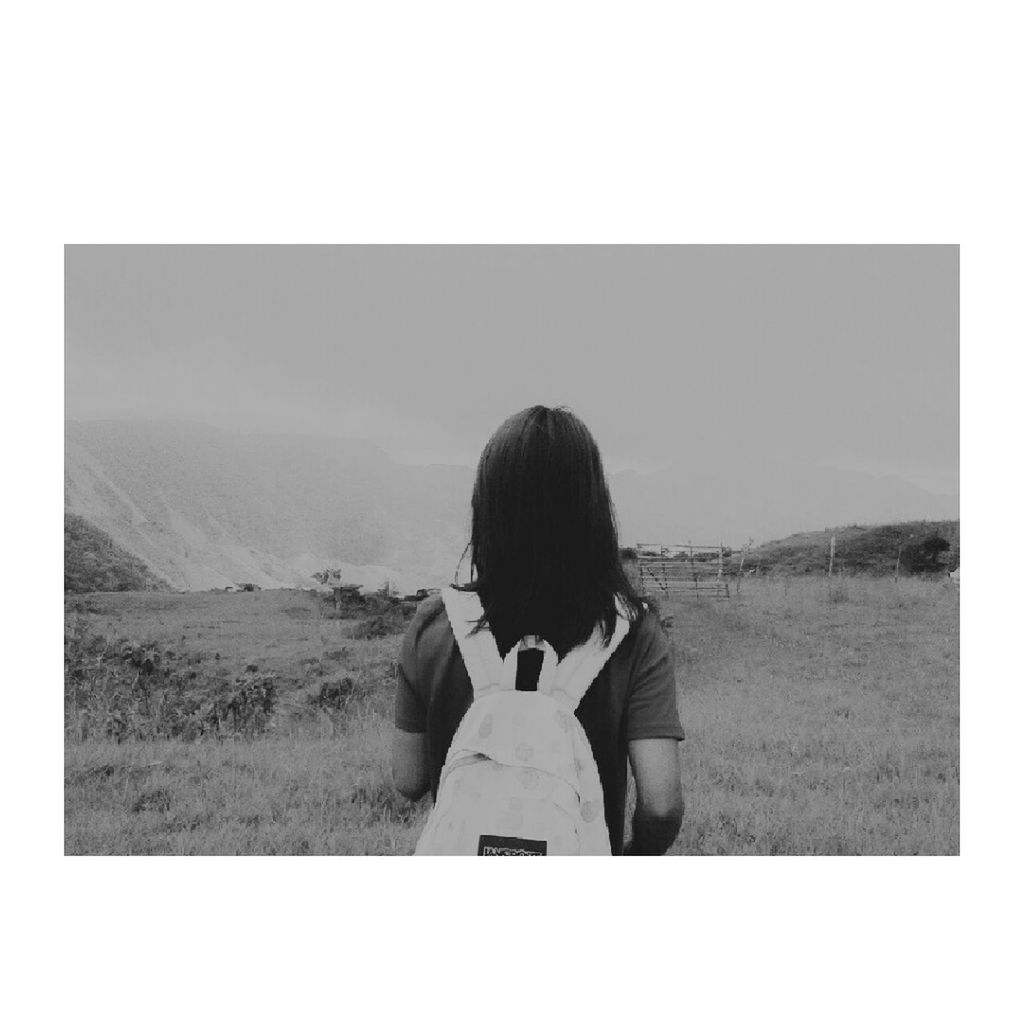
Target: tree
x=923, y=556
x=326, y=575
x=933, y=546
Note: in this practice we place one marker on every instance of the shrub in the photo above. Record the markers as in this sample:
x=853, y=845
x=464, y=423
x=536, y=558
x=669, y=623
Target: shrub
x=245, y=709
x=387, y=624
x=135, y=691
x=924, y=555
x=334, y=694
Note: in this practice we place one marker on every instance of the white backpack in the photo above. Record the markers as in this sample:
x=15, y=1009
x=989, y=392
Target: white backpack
x=520, y=778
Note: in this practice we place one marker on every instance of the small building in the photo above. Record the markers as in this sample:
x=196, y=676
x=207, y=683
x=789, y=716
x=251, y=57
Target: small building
x=346, y=593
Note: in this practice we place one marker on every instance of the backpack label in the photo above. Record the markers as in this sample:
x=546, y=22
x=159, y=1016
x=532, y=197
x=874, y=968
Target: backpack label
x=510, y=846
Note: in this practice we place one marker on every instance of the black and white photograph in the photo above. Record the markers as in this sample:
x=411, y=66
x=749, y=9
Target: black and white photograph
x=512, y=550
x=550, y=430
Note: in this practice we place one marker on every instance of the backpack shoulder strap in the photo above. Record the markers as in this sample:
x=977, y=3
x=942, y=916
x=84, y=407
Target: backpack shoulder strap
x=566, y=681
x=479, y=651
x=549, y=664
x=582, y=665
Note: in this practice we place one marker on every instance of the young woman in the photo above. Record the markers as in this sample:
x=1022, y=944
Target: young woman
x=545, y=562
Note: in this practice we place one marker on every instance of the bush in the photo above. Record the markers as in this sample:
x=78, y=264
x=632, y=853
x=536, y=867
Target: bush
x=387, y=624
x=136, y=691
x=245, y=709
x=924, y=555
x=334, y=694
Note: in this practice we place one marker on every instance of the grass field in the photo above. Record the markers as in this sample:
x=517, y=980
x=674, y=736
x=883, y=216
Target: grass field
x=821, y=718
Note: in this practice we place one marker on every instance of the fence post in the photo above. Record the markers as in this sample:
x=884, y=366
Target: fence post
x=899, y=551
x=831, y=553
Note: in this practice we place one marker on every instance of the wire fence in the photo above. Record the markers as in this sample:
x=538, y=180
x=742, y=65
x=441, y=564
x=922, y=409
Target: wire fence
x=697, y=570
x=717, y=571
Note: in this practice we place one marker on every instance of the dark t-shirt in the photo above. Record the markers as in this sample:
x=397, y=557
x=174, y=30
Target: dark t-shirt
x=633, y=698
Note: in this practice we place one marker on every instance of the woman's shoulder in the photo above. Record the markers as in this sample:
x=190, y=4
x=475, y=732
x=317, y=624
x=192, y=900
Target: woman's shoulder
x=428, y=613
x=645, y=634
x=645, y=618
x=429, y=628
x=648, y=619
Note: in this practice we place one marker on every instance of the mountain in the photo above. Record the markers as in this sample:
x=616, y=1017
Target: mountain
x=205, y=507
x=732, y=501
x=92, y=561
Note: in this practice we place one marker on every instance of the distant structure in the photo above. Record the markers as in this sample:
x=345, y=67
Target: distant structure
x=342, y=593
x=353, y=593
x=631, y=565
x=347, y=593
x=698, y=570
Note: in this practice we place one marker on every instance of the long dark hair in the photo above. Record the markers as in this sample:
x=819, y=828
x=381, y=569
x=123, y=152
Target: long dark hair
x=545, y=553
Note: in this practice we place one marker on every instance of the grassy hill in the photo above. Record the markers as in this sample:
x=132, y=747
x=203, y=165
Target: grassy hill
x=865, y=549
x=93, y=562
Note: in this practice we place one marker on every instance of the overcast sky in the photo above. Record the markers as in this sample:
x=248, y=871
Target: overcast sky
x=842, y=355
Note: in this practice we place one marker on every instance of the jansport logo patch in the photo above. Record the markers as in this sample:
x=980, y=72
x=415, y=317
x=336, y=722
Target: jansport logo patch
x=510, y=846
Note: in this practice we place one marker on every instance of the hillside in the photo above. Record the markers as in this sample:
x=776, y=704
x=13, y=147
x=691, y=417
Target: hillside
x=208, y=508
x=865, y=549
x=93, y=562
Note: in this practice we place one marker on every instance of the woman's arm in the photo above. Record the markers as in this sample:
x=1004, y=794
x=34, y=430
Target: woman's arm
x=659, y=795
x=409, y=766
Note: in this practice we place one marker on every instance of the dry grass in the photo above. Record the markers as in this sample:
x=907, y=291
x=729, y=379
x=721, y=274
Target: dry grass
x=821, y=718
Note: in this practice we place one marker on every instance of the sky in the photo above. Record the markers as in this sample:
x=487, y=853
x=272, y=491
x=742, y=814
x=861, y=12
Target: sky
x=844, y=356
